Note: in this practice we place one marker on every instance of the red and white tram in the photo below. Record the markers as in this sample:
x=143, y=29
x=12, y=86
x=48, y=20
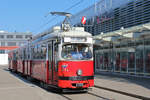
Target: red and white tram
x=61, y=57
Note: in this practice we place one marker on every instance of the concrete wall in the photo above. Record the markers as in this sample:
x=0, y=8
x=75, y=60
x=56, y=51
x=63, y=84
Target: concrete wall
x=3, y=59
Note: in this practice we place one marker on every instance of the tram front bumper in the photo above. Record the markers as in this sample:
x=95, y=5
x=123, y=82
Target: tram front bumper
x=87, y=81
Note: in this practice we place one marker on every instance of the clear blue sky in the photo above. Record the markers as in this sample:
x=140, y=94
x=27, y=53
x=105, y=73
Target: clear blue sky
x=28, y=15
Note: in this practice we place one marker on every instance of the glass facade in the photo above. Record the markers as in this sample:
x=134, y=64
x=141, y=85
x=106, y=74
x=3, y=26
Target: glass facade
x=19, y=36
x=14, y=38
x=9, y=36
x=11, y=43
x=132, y=58
x=1, y=36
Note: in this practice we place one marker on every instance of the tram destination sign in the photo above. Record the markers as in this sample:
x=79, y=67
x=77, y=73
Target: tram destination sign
x=75, y=39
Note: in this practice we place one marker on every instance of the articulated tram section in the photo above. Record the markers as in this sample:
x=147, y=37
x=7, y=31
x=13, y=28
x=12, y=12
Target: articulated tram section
x=125, y=51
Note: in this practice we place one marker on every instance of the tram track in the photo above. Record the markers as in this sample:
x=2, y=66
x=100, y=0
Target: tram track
x=70, y=96
x=73, y=96
x=98, y=96
x=66, y=97
x=123, y=93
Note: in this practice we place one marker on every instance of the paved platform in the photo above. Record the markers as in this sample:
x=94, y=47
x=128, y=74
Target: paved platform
x=13, y=87
x=133, y=85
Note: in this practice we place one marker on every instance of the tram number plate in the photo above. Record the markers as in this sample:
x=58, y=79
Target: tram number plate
x=79, y=84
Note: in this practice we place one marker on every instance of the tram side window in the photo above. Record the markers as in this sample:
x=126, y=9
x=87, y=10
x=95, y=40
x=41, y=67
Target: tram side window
x=21, y=56
x=35, y=52
x=18, y=55
x=50, y=55
x=24, y=53
x=39, y=52
x=43, y=52
x=14, y=56
x=28, y=53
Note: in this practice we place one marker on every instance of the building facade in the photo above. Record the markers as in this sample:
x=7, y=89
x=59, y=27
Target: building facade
x=111, y=15
x=121, y=29
x=10, y=41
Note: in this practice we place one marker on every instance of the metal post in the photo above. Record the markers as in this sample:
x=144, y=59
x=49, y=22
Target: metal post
x=103, y=57
x=120, y=56
x=127, y=59
x=144, y=57
x=127, y=62
x=135, y=58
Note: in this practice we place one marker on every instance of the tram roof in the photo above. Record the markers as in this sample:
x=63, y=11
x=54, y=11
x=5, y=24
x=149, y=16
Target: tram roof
x=56, y=32
x=127, y=33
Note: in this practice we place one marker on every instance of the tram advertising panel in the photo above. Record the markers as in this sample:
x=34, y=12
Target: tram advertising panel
x=106, y=61
x=101, y=61
x=124, y=61
x=97, y=61
x=131, y=62
x=147, y=60
x=139, y=61
x=117, y=62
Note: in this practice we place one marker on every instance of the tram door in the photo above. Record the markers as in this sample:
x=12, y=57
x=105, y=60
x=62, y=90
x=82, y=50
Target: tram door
x=53, y=70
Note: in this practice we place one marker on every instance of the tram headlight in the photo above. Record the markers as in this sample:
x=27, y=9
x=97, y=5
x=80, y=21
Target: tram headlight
x=79, y=72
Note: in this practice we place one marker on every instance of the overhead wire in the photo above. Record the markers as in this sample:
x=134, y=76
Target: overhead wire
x=54, y=18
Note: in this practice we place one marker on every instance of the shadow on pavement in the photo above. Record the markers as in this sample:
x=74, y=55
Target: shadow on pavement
x=144, y=82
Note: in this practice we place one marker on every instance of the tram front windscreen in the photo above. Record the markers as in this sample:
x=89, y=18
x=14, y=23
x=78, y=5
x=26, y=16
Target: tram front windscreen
x=78, y=51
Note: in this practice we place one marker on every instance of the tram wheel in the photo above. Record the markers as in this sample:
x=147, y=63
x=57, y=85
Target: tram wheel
x=45, y=86
x=41, y=84
x=10, y=69
x=29, y=78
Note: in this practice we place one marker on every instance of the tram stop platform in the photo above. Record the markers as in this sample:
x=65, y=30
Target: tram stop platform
x=127, y=84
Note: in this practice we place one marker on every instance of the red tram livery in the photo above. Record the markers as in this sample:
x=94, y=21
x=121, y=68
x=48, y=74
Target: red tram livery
x=61, y=57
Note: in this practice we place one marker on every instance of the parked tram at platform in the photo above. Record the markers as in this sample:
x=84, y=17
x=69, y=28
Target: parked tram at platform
x=59, y=58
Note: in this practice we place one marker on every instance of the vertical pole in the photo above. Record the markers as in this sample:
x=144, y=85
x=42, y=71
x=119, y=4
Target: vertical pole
x=47, y=63
x=95, y=62
x=127, y=54
x=144, y=57
x=120, y=57
x=127, y=62
x=114, y=58
x=135, y=58
x=103, y=56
